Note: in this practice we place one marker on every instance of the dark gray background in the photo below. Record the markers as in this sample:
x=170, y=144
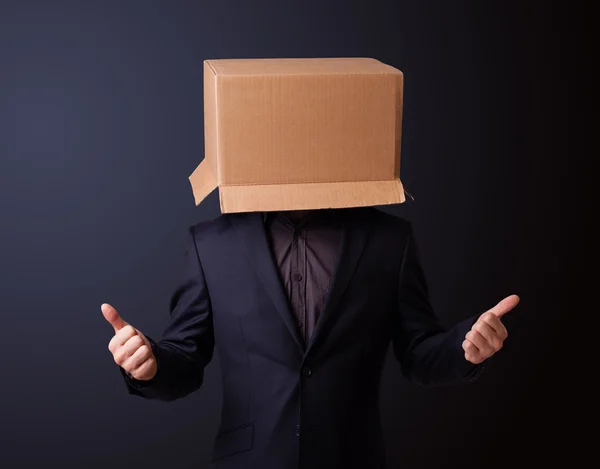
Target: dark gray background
x=101, y=123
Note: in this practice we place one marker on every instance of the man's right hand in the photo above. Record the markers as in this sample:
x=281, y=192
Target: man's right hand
x=130, y=348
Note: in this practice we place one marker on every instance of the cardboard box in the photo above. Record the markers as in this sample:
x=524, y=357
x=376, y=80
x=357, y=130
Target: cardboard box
x=291, y=134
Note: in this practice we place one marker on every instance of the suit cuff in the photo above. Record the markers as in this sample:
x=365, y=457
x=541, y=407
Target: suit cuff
x=136, y=383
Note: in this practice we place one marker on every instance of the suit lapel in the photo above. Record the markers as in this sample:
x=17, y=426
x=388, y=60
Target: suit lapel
x=355, y=231
x=251, y=231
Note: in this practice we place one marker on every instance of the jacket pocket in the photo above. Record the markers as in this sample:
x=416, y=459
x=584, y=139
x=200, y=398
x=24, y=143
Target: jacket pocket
x=234, y=441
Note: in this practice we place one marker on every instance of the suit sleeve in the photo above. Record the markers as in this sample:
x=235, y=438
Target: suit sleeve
x=428, y=353
x=187, y=343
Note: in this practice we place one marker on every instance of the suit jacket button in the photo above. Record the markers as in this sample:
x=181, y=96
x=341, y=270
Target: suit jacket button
x=306, y=371
x=297, y=430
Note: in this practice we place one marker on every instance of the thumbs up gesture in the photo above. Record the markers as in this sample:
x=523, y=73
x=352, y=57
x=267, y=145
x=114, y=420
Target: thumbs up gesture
x=488, y=333
x=130, y=348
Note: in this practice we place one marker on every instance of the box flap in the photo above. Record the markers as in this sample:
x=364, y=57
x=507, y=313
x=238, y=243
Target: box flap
x=273, y=197
x=203, y=181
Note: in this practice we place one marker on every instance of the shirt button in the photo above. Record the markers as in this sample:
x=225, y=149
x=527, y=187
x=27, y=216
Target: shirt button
x=297, y=277
x=306, y=371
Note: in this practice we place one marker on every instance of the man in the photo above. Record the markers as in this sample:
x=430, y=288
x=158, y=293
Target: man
x=302, y=307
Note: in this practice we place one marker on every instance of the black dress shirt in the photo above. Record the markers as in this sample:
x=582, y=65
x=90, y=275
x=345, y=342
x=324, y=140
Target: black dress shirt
x=305, y=250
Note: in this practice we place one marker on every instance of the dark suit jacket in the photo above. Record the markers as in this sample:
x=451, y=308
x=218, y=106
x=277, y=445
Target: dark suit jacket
x=287, y=405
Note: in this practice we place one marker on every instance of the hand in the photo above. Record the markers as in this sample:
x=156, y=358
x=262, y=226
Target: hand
x=488, y=334
x=130, y=348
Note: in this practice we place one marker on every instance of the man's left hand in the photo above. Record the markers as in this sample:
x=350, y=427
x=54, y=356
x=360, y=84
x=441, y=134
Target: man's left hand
x=488, y=334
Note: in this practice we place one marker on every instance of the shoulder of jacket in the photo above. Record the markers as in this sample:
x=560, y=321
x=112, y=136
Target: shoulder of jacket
x=214, y=225
x=384, y=220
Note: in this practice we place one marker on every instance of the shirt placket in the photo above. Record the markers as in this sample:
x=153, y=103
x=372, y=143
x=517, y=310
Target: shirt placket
x=299, y=278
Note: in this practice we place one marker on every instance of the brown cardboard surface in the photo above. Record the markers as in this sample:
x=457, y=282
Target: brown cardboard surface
x=203, y=180
x=270, y=197
x=284, y=134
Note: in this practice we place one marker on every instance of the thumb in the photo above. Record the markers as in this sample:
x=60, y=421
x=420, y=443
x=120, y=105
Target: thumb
x=505, y=305
x=113, y=317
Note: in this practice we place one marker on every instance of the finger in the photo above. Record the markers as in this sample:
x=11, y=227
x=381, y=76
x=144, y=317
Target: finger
x=142, y=354
x=484, y=347
x=505, y=305
x=121, y=337
x=113, y=317
x=128, y=349
x=472, y=353
x=495, y=323
x=488, y=333
x=143, y=372
x=144, y=338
